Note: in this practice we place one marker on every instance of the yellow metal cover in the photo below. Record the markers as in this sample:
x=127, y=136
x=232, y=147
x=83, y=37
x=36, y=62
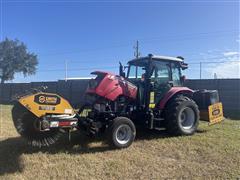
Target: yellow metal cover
x=152, y=106
x=152, y=99
x=215, y=113
x=42, y=103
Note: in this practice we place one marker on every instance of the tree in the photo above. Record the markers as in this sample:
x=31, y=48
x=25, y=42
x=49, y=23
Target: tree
x=15, y=58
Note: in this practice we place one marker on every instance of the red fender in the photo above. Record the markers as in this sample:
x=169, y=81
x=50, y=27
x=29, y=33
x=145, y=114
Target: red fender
x=172, y=92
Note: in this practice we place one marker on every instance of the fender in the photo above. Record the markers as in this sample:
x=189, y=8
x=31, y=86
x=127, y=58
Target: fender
x=172, y=92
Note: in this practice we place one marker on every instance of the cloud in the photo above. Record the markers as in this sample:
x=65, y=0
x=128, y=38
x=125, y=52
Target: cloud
x=227, y=67
x=227, y=70
x=231, y=53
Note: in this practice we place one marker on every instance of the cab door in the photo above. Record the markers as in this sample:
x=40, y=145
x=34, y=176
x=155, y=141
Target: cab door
x=136, y=76
x=161, y=81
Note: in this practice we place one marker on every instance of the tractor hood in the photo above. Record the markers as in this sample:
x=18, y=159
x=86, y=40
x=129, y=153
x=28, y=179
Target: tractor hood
x=100, y=72
x=111, y=86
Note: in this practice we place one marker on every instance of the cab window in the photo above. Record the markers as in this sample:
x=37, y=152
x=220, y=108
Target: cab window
x=162, y=72
x=140, y=72
x=176, y=74
x=136, y=72
x=132, y=72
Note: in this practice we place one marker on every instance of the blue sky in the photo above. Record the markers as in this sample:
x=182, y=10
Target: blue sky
x=97, y=35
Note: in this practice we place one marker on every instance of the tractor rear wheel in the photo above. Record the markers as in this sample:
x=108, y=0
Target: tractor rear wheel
x=182, y=116
x=27, y=125
x=121, y=133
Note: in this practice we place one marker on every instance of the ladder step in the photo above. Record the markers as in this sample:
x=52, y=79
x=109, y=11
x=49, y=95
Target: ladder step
x=158, y=119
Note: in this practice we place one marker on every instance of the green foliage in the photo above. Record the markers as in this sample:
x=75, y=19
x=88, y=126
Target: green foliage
x=15, y=58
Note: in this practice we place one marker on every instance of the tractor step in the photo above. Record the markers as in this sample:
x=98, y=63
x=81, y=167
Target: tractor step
x=158, y=119
x=157, y=123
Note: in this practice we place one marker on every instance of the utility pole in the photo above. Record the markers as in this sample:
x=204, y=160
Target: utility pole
x=66, y=70
x=136, y=52
x=1, y=39
x=1, y=20
x=200, y=70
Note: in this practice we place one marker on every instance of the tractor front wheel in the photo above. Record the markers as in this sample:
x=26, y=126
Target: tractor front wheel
x=182, y=116
x=121, y=133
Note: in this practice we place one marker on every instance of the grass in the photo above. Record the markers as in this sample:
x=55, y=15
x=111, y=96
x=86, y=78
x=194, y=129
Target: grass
x=212, y=153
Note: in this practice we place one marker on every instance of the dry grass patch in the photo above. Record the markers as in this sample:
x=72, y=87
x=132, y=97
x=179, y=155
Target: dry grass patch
x=213, y=152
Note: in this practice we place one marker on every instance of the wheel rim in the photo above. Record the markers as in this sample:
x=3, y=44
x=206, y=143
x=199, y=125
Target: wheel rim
x=123, y=134
x=187, y=118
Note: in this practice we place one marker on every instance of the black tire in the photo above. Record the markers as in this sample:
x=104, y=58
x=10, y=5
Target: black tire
x=25, y=123
x=121, y=133
x=182, y=116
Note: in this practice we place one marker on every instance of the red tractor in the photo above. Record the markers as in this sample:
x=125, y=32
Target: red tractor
x=150, y=94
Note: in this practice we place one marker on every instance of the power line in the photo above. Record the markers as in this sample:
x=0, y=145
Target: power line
x=114, y=67
x=191, y=35
x=191, y=60
x=87, y=50
x=145, y=40
x=212, y=62
x=118, y=1
x=78, y=69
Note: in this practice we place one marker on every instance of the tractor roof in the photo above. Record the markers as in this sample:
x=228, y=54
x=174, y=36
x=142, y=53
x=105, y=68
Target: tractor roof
x=155, y=57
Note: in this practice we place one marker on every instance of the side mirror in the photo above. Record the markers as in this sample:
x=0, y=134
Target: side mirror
x=183, y=65
x=121, y=71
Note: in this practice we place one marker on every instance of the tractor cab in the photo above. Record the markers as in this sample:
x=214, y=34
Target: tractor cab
x=155, y=76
